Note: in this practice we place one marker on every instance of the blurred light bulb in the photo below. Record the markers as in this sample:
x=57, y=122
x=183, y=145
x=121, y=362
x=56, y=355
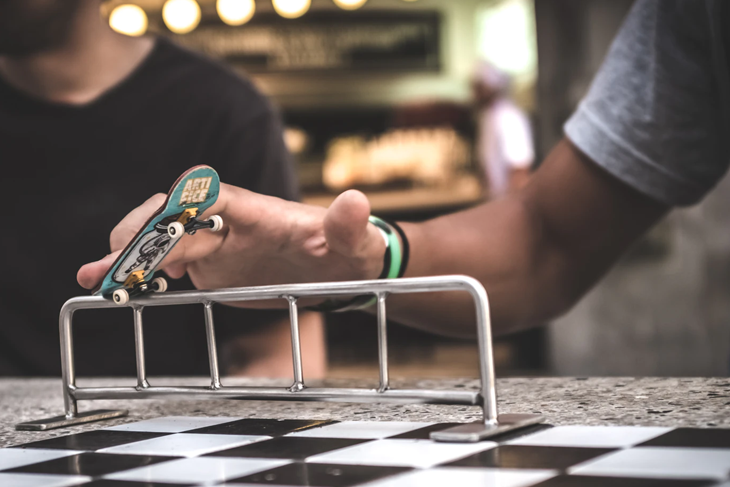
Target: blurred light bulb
x=128, y=20
x=181, y=16
x=350, y=4
x=291, y=9
x=235, y=12
x=295, y=139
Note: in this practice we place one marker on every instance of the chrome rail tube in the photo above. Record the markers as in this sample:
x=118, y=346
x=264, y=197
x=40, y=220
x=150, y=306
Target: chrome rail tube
x=326, y=394
x=215, y=376
x=68, y=369
x=383, y=343
x=296, y=347
x=139, y=348
x=486, y=397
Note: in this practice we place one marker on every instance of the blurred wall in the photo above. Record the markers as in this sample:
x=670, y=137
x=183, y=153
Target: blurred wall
x=573, y=36
x=458, y=55
x=665, y=308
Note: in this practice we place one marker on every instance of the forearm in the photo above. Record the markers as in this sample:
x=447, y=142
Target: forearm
x=519, y=178
x=535, y=251
x=501, y=244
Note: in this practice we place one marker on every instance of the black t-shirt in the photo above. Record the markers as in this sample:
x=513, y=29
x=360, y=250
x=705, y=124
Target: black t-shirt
x=71, y=173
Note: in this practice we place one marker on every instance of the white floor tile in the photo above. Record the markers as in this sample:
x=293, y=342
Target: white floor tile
x=369, y=430
x=465, y=477
x=40, y=480
x=406, y=453
x=197, y=470
x=172, y=424
x=17, y=457
x=660, y=462
x=183, y=444
x=591, y=436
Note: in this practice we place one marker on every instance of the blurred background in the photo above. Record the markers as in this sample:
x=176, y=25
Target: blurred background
x=384, y=96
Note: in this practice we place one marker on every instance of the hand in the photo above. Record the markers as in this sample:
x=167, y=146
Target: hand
x=264, y=240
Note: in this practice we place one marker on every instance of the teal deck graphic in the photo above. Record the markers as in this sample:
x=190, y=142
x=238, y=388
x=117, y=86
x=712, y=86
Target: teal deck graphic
x=196, y=188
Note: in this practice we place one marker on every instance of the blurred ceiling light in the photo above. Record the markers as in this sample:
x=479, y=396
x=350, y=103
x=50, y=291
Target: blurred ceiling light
x=128, y=20
x=235, y=12
x=295, y=139
x=350, y=4
x=291, y=9
x=181, y=16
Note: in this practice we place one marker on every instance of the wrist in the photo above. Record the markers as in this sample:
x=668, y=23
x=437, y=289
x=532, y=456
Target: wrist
x=393, y=265
x=377, y=248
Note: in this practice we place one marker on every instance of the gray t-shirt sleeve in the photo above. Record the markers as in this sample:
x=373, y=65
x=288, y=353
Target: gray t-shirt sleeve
x=656, y=115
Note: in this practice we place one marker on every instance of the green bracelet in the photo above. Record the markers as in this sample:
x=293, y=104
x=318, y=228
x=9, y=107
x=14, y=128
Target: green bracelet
x=392, y=261
x=393, y=253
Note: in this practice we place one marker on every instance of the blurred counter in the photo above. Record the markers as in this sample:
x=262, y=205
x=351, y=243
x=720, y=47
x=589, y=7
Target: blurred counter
x=685, y=402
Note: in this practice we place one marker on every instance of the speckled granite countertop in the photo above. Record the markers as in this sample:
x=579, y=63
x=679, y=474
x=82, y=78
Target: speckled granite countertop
x=697, y=402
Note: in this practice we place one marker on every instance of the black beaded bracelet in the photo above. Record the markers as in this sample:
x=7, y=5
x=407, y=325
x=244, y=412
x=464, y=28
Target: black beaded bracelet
x=405, y=247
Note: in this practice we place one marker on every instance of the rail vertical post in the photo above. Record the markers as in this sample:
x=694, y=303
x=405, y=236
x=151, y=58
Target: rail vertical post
x=486, y=356
x=68, y=371
x=492, y=424
x=139, y=347
x=383, y=343
x=215, y=377
x=296, y=349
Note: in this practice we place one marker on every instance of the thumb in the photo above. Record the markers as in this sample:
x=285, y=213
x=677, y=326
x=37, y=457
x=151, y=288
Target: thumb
x=91, y=274
x=346, y=223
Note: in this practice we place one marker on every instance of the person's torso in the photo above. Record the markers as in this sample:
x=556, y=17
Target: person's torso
x=70, y=174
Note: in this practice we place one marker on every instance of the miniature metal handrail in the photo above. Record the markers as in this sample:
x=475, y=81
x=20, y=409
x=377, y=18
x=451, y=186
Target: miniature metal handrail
x=486, y=397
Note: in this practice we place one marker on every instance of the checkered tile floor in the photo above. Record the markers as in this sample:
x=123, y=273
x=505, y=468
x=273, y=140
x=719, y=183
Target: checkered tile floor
x=177, y=451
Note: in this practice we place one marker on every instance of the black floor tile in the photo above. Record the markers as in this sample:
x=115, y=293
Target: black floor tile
x=91, y=464
x=296, y=448
x=520, y=433
x=92, y=440
x=260, y=427
x=128, y=483
x=693, y=437
x=522, y=456
x=320, y=475
x=589, y=481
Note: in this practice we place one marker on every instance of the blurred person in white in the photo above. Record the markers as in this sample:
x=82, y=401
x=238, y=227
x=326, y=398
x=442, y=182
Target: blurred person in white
x=504, y=139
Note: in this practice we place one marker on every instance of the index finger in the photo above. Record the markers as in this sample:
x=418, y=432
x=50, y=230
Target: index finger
x=187, y=249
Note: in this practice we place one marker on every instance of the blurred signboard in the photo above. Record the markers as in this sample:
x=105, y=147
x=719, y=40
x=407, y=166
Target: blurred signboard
x=324, y=42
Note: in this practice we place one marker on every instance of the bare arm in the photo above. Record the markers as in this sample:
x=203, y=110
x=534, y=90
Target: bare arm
x=536, y=251
x=518, y=178
x=266, y=351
